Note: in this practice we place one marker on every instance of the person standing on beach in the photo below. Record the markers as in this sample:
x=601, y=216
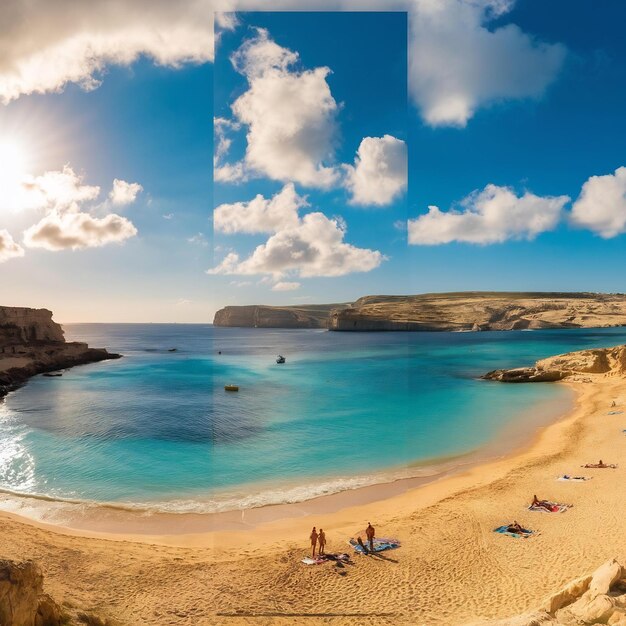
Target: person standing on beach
x=321, y=540
x=370, y=533
x=313, y=538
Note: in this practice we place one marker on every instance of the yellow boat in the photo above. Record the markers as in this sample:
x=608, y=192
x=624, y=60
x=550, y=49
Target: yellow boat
x=231, y=387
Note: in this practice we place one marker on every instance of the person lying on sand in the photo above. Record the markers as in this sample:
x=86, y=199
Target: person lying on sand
x=313, y=538
x=544, y=504
x=516, y=529
x=599, y=465
x=321, y=540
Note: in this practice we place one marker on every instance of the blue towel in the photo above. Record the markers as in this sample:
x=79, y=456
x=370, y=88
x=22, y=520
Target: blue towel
x=503, y=531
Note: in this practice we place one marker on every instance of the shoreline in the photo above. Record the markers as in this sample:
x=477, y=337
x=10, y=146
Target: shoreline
x=451, y=569
x=148, y=520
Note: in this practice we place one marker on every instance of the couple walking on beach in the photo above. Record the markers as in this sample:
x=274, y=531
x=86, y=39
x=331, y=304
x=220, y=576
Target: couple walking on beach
x=317, y=539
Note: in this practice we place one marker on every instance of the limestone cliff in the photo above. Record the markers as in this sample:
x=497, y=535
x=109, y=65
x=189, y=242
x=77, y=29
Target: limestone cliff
x=467, y=311
x=608, y=361
x=32, y=343
x=20, y=325
x=262, y=316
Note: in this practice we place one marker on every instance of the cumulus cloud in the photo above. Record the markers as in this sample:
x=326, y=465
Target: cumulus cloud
x=289, y=116
x=260, y=215
x=285, y=286
x=313, y=247
x=223, y=171
x=9, y=249
x=124, y=193
x=457, y=63
x=61, y=195
x=601, y=205
x=492, y=215
x=379, y=174
x=61, y=231
x=46, y=45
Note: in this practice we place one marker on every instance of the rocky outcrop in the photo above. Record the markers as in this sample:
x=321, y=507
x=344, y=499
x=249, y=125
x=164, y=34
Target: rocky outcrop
x=20, y=325
x=261, y=316
x=475, y=311
x=599, y=598
x=22, y=600
x=610, y=361
x=32, y=343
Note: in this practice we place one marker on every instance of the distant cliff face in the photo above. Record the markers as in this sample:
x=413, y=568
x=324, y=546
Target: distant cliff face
x=477, y=311
x=20, y=325
x=260, y=316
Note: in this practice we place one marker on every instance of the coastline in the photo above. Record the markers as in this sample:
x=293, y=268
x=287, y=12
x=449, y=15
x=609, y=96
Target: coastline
x=450, y=570
x=320, y=495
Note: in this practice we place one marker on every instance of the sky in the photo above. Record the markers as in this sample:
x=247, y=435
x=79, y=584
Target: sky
x=153, y=171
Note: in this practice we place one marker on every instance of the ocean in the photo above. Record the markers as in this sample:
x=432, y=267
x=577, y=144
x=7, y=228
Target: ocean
x=157, y=430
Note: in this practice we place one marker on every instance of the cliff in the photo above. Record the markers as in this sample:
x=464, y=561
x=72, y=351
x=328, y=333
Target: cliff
x=465, y=311
x=20, y=325
x=608, y=361
x=32, y=343
x=262, y=316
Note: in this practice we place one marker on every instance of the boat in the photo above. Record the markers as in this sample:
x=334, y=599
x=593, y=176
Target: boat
x=280, y=359
x=231, y=387
x=53, y=374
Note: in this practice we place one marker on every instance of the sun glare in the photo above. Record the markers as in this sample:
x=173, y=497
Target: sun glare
x=13, y=169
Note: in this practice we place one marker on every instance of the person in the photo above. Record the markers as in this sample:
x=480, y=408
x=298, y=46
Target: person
x=321, y=541
x=544, y=504
x=515, y=528
x=370, y=532
x=313, y=541
x=613, y=403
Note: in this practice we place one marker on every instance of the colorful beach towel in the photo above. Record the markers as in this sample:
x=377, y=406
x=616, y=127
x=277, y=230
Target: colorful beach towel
x=502, y=530
x=595, y=466
x=309, y=561
x=325, y=558
x=615, y=412
x=380, y=545
x=555, y=507
x=574, y=479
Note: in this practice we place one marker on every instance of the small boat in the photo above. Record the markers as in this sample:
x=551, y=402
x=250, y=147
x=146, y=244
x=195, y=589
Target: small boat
x=173, y=350
x=280, y=359
x=231, y=387
x=53, y=374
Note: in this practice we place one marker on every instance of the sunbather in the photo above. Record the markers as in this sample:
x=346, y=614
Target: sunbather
x=599, y=465
x=516, y=529
x=543, y=504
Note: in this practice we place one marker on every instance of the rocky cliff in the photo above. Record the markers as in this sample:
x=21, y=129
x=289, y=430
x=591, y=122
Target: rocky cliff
x=466, y=311
x=32, y=343
x=608, y=361
x=262, y=316
x=20, y=325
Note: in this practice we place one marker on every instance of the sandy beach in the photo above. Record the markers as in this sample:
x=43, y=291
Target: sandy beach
x=451, y=568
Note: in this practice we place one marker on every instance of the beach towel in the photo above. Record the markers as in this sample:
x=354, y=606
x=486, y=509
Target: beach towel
x=380, y=545
x=574, y=479
x=555, y=508
x=615, y=412
x=309, y=561
x=502, y=530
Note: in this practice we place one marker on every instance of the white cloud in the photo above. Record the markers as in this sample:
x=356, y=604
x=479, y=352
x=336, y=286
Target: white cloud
x=124, y=193
x=46, y=45
x=285, y=286
x=61, y=195
x=313, y=247
x=492, y=215
x=199, y=240
x=70, y=230
x=260, y=215
x=601, y=205
x=9, y=249
x=379, y=174
x=222, y=171
x=458, y=63
x=289, y=116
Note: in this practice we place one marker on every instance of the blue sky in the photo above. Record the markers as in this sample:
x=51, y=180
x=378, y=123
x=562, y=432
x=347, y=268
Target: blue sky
x=513, y=116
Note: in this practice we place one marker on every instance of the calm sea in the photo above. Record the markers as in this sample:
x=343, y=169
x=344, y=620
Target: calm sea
x=157, y=429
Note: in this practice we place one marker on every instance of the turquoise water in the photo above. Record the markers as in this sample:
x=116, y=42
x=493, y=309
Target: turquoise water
x=157, y=427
